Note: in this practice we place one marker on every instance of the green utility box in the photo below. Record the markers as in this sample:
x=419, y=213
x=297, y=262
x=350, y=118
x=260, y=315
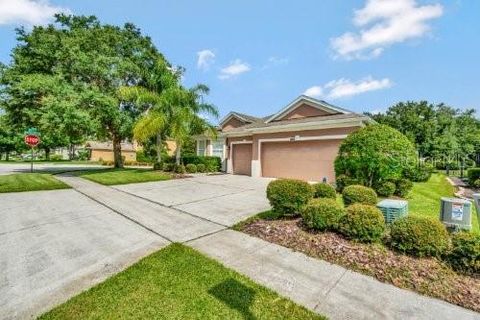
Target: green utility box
x=393, y=209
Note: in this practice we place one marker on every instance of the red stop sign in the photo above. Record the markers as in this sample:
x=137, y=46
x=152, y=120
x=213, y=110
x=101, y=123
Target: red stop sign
x=32, y=140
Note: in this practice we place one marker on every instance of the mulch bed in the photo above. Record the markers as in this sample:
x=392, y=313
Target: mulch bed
x=427, y=276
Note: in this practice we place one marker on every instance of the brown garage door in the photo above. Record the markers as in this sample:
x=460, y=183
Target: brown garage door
x=242, y=158
x=306, y=160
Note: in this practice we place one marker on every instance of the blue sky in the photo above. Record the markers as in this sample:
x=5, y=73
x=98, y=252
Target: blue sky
x=257, y=56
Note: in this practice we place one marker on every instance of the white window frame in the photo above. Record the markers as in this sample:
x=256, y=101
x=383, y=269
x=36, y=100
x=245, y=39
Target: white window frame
x=204, y=147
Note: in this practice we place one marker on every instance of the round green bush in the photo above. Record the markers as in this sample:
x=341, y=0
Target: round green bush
x=375, y=153
x=343, y=181
x=419, y=236
x=324, y=190
x=288, y=196
x=179, y=168
x=465, y=253
x=403, y=187
x=363, y=223
x=359, y=194
x=167, y=167
x=191, y=168
x=386, y=189
x=201, y=167
x=322, y=214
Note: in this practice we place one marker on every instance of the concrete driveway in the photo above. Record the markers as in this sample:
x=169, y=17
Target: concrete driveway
x=223, y=199
x=54, y=244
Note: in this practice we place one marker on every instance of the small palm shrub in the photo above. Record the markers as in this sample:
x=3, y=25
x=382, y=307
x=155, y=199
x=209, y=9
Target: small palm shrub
x=322, y=214
x=201, y=167
x=324, y=190
x=191, y=168
x=386, y=189
x=359, y=194
x=362, y=222
x=419, y=236
x=476, y=183
x=465, y=253
x=157, y=166
x=403, y=187
x=288, y=196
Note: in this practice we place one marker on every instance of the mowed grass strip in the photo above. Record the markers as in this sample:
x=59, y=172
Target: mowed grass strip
x=123, y=176
x=19, y=182
x=177, y=282
x=424, y=199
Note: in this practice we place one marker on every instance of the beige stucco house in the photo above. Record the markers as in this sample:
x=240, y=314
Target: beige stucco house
x=300, y=141
x=104, y=151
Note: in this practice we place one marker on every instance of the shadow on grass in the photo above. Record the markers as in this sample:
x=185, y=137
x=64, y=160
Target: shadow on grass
x=235, y=295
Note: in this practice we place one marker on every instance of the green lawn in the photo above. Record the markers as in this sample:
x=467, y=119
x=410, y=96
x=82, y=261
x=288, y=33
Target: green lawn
x=424, y=199
x=178, y=283
x=18, y=182
x=123, y=176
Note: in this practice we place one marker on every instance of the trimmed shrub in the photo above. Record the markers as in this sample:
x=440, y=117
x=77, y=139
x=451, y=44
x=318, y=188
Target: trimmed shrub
x=363, y=223
x=158, y=166
x=324, y=190
x=167, y=167
x=403, y=187
x=419, y=236
x=419, y=174
x=375, y=153
x=322, y=214
x=288, y=196
x=476, y=184
x=179, y=168
x=201, y=167
x=343, y=181
x=191, y=168
x=473, y=175
x=465, y=253
x=359, y=194
x=386, y=189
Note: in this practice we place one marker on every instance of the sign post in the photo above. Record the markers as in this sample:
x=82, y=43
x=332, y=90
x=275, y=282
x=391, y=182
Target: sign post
x=32, y=139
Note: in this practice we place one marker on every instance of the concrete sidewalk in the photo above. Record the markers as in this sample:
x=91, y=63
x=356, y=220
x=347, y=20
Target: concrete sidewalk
x=326, y=288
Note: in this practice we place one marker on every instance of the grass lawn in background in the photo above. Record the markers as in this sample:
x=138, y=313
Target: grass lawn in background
x=123, y=176
x=18, y=182
x=424, y=199
x=177, y=282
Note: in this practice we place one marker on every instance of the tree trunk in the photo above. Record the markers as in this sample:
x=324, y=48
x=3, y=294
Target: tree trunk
x=159, y=147
x=178, y=153
x=117, y=152
x=7, y=155
x=47, y=154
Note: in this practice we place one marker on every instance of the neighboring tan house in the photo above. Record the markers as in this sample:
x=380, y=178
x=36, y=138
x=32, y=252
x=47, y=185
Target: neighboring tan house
x=104, y=151
x=300, y=141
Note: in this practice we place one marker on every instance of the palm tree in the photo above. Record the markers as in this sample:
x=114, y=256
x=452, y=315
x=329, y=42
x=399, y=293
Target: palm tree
x=175, y=112
x=152, y=123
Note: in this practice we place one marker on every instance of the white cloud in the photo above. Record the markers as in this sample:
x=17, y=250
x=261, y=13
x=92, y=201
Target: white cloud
x=30, y=12
x=235, y=68
x=342, y=88
x=315, y=91
x=205, y=59
x=383, y=23
x=275, y=61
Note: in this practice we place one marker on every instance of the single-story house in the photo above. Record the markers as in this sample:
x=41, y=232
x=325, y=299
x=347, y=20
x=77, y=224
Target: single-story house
x=300, y=141
x=104, y=151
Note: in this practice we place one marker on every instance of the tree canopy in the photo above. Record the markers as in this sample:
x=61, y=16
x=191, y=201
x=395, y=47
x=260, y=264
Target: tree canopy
x=438, y=131
x=64, y=78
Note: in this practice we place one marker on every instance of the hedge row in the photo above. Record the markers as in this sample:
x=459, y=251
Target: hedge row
x=362, y=221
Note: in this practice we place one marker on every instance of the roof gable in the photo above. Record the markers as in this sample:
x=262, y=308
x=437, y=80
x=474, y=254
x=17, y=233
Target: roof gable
x=303, y=101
